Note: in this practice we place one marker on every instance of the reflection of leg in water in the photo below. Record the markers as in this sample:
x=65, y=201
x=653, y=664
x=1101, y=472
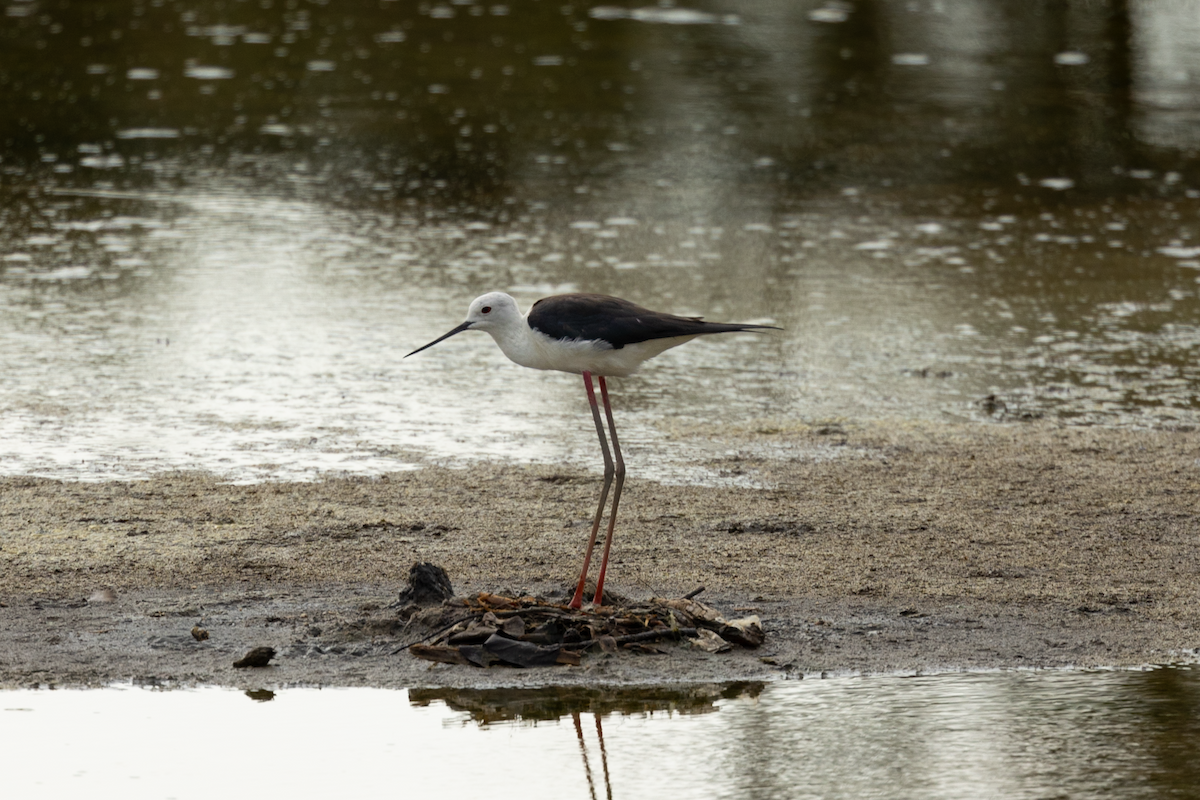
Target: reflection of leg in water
x=587, y=768
x=600, y=736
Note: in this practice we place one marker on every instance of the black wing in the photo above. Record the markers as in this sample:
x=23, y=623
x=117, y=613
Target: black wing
x=591, y=317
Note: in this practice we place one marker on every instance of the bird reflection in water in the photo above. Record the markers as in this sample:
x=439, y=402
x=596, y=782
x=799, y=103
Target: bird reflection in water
x=587, y=766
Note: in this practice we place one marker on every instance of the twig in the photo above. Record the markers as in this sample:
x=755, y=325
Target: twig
x=404, y=647
x=693, y=593
x=644, y=636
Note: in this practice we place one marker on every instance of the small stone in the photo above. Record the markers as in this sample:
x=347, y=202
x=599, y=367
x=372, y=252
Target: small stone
x=103, y=596
x=258, y=657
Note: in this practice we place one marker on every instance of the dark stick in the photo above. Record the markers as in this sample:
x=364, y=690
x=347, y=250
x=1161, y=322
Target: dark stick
x=644, y=636
x=404, y=647
x=693, y=593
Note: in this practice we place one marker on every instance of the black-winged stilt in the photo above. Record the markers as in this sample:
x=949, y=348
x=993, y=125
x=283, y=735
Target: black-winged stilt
x=587, y=334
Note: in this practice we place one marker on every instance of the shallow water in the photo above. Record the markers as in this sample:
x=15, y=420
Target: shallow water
x=1003, y=735
x=222, y=225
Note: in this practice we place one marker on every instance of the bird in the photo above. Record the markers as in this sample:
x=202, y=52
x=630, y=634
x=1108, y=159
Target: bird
x=589, y=335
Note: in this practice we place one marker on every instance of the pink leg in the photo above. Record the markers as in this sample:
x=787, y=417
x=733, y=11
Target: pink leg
x=577, y=600
x=620, y=476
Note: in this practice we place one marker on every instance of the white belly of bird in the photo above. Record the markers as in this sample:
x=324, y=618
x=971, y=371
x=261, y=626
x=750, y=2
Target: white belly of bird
x=538, y=351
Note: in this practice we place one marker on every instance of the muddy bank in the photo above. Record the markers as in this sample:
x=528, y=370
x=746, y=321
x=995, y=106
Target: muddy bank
x=865, y=549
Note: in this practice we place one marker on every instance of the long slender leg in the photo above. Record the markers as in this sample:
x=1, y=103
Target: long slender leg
x=620, y=475
x=577, y=601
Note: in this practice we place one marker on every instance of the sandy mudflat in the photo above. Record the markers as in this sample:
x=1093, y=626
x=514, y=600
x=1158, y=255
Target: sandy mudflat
x=869, y=549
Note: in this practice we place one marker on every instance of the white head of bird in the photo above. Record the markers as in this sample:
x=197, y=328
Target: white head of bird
x=492, y=312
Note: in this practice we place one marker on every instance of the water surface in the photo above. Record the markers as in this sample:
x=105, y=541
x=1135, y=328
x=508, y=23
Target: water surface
x=221, y=226
x=1003, y=735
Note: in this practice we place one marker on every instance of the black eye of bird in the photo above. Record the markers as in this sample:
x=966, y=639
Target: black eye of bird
x=486, y=309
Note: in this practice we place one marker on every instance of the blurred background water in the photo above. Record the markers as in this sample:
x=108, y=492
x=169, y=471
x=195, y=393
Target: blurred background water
x=223, y=223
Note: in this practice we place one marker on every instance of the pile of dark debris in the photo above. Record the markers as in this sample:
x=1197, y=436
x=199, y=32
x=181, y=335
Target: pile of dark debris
x=491, y=629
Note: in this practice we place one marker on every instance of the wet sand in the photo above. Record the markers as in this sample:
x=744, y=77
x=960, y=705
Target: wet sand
x=864, y=549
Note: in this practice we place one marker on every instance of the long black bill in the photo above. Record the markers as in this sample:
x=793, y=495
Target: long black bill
x=464, y=327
